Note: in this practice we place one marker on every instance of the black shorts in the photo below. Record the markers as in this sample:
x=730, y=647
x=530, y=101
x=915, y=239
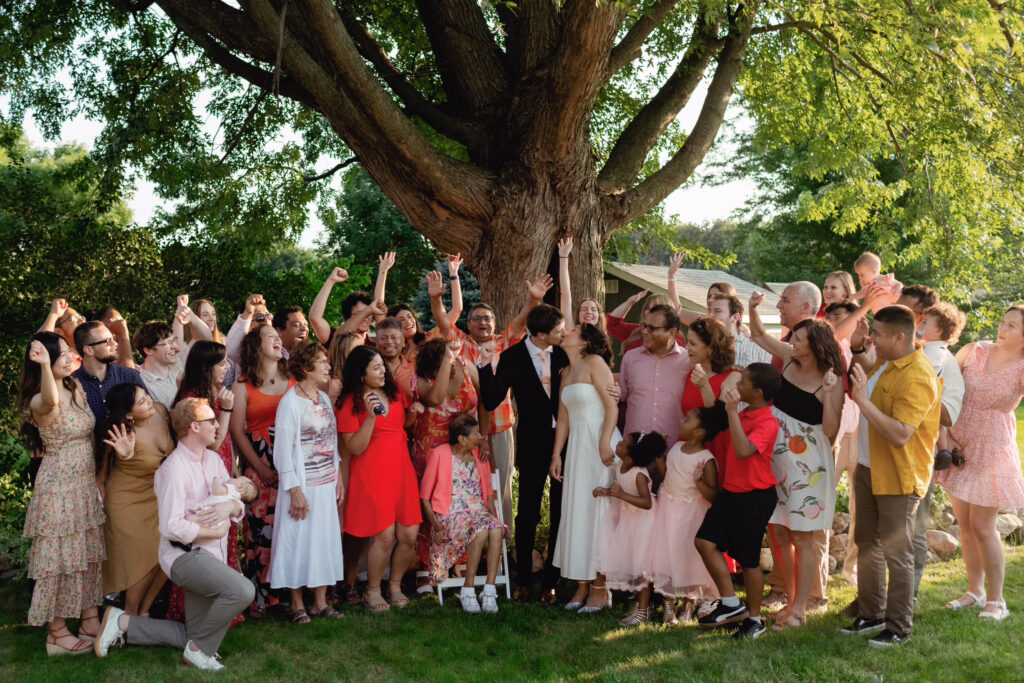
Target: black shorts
x=736, y=523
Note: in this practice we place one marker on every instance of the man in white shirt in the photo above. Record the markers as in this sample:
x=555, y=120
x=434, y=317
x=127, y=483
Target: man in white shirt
x=214, y=593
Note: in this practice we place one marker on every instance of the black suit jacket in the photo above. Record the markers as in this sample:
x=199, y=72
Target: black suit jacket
x=535, y=437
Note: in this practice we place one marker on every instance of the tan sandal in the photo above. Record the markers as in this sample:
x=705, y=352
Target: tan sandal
x=54, y=649
x=373, y=605
x=395, y=595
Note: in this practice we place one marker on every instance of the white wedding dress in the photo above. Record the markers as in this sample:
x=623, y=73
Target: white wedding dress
x=582, y=472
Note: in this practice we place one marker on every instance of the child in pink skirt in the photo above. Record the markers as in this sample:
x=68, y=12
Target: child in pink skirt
x=691, y=482
x=622, y=552
x=868, y=268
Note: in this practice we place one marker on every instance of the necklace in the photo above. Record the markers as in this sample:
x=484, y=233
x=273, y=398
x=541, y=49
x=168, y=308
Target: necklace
x=316, y=401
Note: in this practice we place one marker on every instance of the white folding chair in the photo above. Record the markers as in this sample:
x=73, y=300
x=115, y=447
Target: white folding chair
x=502, y=577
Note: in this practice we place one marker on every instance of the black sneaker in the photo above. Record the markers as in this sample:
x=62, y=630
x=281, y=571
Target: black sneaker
x=863, y=627
x=750, y=628
x=723, y=615
x=887, y=638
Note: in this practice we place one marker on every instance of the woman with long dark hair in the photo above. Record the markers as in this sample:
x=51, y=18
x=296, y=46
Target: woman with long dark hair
x=138, y=439
x=64, y=518
x=383, y=497
x=205, y=370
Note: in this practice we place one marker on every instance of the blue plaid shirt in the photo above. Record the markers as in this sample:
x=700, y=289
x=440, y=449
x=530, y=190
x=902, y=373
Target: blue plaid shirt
x=96, y=391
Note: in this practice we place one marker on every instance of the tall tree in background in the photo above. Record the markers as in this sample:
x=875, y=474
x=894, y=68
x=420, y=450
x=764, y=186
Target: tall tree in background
x=497, y=127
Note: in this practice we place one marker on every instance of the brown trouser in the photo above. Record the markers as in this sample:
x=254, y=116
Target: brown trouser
x=885, y=541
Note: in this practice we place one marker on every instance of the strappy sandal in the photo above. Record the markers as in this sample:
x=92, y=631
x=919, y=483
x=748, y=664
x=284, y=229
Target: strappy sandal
x=995, y=616
x=975, y=600
x=300, y=616
x=349, y=594
x=328, y=613
x=789, y=622
x=635, y=616
x=395, y=596
x=85, y=635
x=686, y=611
x=381, y=606
x=670, y=618
x=56, y=650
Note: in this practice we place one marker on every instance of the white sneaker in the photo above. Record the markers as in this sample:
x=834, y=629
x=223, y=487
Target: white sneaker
x=489, y=600
x=469, y=602
x=110, y=632
x=200, y=659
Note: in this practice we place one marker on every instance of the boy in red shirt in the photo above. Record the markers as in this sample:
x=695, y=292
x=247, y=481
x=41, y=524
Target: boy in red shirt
x=739, y=515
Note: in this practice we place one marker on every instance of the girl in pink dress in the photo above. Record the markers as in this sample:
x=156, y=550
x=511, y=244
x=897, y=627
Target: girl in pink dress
x=990, y=476
x=623, y=549
x=691, y=482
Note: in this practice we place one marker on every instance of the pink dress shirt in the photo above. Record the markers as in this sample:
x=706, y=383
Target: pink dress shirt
x=182, y=484
x=652, y=389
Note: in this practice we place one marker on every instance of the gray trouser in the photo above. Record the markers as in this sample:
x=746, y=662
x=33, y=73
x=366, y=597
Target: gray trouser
x=214, y=595
x=504, y=449
x=921, y=535
x=885, y=531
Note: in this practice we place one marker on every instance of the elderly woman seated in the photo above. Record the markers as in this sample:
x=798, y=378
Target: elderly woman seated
x=458, y=503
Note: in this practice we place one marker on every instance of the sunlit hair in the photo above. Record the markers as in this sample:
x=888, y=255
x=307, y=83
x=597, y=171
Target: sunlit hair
x=31, y=384
x=352, y=383
x=822, y=340
x=150, y=334
x=724, y=289
x=868, y=259
x=428, y=360
x=302, y=358
x=250, y=364
x=602, y=324
x=185, y=413
x=215, y=334
x=341, y=345
x=925, y=296
x=714, y=334
x=845, y=279
x=950, y=320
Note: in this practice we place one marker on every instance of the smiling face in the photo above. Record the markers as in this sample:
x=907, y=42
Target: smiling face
x=321, y=370
x=719, y=310
x=656, y=336
x=408, y=320
x=271, y=347
x=590, y=313
x=390, y=342
x=165, y=352
x=713, y=293
x=481, y=325
x=374, y=376
x=833, y=291
x=801, y=346
x=698, y=350
x=471, y=440
x=837, y=316
x=64, y=364
x=142, y=409
x=928, y=330
x=888, y=340
x=101, y=345
x=208, y=314
x=295, y=330
x=792, y=308
x=205, y=425
x=219, y=372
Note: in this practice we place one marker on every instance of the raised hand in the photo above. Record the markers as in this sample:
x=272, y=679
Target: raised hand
x=731, y=398
x=858, y=384
x=435, y=285
x=182, y=300
x=121, y=440
x=337, y=276
x=540, y=286
x=226, y=398
x=252, y=303
x=379, y=308
x=756, y=298
x=699, y=376
x=454, y=262
x=859, y=338
x=37, y=353
x=454, y=349
x=674, y=262
x=387, y=260
x=183, y=314
x=565, y=246
x=638, y=296
x=58, y=307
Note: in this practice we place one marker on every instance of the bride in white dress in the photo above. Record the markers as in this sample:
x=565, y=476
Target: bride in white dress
x=586, y=419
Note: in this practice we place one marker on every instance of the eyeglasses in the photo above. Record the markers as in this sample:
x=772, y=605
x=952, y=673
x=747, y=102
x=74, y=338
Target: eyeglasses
x=650, y=328
x=108, y=340
x=481, y=318
x=210, y=420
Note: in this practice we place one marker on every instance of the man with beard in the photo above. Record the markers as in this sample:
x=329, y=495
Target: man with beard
x=99, y=373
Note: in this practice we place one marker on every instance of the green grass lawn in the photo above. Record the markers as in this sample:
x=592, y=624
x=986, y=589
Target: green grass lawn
x=427, y=642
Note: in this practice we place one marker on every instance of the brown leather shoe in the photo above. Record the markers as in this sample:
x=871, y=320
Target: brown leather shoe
x=547, y=596
x=521, y=594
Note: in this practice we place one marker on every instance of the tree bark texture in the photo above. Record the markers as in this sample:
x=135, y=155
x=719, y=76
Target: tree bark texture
x=521, y=109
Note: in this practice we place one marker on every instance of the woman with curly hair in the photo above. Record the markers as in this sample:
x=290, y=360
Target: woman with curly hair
x=711, y=360
x=265, y=380
x=383, y=500
x=586, y=420
x=809, y=408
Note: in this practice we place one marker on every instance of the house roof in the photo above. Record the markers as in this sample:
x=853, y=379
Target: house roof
x=777, y=287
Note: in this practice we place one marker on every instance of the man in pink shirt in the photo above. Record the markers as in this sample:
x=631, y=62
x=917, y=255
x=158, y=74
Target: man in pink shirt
x=652, y=377
x=214, y=593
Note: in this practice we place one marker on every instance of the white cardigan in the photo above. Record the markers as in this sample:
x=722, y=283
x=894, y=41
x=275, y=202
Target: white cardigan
x=291, y=468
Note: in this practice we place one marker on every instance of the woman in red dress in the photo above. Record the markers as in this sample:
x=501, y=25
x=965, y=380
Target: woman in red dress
x=383, y=497
x=205, y=370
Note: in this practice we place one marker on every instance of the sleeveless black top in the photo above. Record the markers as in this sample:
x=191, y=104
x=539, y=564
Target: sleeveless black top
x=799, y=404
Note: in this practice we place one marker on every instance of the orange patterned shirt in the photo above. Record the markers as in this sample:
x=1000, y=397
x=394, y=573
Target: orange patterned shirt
x=503, y=417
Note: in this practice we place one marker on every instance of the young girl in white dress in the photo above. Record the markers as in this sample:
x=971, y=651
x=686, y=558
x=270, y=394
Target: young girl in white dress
x=622, y=552
x=691, y=482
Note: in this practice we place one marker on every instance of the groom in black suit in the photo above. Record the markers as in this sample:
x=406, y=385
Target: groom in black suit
x=531, y=369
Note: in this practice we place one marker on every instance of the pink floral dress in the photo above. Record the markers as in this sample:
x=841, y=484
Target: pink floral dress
x=466, y=517
x=65, y=519
x=987, y=433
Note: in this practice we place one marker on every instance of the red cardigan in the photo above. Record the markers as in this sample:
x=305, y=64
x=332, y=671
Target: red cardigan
x=436, y=485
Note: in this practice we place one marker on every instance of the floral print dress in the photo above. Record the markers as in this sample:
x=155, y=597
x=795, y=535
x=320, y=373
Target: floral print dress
x=466, y=517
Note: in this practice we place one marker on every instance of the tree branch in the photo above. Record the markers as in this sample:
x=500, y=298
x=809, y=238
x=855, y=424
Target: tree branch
x=998, y=7
x=657, y=186
x=531, y=34
x=471, y=65
x=631, y=45
x=631, y=149
x=329, y=172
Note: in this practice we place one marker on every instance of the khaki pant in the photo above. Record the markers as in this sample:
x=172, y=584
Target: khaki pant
x=214, y=595
x=846, y=461
x=503, y=447
x=885, y=541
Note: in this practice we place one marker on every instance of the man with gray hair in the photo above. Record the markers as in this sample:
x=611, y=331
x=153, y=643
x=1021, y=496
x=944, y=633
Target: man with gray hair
x=799, y=301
